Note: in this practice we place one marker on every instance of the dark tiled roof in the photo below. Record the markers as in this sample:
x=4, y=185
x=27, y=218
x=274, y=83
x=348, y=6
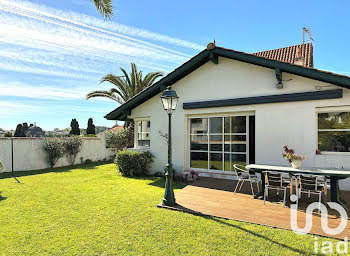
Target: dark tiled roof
x=289, y=54
x=206, y=55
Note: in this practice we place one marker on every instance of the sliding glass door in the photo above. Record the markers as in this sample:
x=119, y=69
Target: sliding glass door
x=217, y=143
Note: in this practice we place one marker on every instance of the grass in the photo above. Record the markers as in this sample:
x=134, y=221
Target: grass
x=93, y=210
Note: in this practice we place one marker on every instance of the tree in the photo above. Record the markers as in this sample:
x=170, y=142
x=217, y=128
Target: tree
x=90, y=127
x=131, y=135
x=54, y=150
x=104, y=7
x=24, y=129
x=118, y=140
x=71, y=147
x=18, y=132
x=74, y=127
x=127, y=86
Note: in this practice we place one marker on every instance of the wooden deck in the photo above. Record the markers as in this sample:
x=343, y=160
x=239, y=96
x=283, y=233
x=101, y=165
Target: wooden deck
x=214, y=197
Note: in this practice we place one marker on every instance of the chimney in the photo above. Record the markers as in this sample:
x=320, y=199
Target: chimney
x=299, y=59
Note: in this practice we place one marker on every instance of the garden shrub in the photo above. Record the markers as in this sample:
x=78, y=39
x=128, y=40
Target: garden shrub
x=72, y=146
x=131, y=163
x=90, y=136
x=2, y=167
x=8, y=134
x=117, y=139
x=54, y=149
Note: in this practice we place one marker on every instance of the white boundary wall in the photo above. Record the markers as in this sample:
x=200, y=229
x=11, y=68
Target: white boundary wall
x=29, y=153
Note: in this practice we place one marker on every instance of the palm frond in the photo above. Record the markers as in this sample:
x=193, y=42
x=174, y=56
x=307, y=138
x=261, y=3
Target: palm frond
x=151, y=77
x=127, y=86
x=104, y=7
x=105, y=94
x=128, y=82
x=118, y=82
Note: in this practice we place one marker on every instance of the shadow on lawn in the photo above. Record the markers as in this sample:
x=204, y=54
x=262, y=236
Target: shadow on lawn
x=261, y=236
x=2, y=198
x=160, y=182
x=70, y=168
x=181, y=208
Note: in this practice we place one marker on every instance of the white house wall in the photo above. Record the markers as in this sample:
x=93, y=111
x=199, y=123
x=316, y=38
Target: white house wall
x=276, y=124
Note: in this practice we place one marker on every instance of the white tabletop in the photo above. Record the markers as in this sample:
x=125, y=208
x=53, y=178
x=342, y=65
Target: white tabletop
x=313, y=171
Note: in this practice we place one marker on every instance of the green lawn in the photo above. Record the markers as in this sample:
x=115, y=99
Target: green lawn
x=92, y=210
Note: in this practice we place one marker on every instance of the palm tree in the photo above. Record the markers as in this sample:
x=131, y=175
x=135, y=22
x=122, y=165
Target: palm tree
x=104, y=7
x=127, y=85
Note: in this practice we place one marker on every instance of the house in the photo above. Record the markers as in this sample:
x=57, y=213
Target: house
x=236, y=107
x=35, y=131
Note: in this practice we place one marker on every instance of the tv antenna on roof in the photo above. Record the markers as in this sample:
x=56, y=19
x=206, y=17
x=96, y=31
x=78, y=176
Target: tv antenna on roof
x=308, y=32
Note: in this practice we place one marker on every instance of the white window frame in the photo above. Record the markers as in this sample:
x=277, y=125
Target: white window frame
x=136, y=132
x=331, y=109
x=222, y=115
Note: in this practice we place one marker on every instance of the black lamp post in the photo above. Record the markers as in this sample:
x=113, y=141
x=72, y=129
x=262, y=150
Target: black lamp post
x=169, y=100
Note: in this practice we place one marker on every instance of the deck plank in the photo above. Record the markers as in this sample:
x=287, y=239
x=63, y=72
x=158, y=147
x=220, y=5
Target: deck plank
x=214, y=197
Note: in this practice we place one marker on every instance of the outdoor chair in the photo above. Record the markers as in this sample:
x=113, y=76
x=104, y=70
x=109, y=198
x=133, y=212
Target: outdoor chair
x=311, y=184
x=245, y=176
x=279, y=182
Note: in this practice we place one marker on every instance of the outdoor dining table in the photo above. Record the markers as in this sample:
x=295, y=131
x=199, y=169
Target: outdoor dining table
x=334, y=174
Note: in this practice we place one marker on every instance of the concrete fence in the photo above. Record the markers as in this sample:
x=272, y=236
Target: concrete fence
x=29, y=153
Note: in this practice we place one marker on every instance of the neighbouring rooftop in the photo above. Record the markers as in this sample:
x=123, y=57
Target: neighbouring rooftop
x=301, y=54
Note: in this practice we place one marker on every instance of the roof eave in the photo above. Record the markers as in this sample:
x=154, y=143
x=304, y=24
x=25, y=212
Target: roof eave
x=159, y=86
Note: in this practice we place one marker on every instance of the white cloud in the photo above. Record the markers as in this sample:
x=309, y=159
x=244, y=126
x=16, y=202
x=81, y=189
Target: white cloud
x=94, y=23
x=73, y=43
x=43, y=91
x=10, y=108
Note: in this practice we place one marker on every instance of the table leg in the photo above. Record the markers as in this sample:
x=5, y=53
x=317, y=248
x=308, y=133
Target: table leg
x=262, y=187
x=335, y=192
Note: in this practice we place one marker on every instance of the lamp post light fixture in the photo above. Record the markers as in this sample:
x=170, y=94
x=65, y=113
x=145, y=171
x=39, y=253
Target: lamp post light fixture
x=169, y=100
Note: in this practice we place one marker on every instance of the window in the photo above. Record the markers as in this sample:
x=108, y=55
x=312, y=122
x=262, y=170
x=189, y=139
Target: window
x=143, y=133
x=334, y=131
x=218, y=143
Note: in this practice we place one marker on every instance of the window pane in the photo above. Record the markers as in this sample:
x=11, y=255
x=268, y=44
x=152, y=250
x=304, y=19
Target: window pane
x=238, y=138
x=215, y=142
x=144, y=143
x=144, y=126
x=238, y=124
x=335, y=120
x=199, y=142
x=239, y=148
x=239, y=159
x=143, y=136
x=199, y=126
x=215, y=125
x=227, y=143
x=227, y=163
x=227, y=128
x=334, y=141
x=215, y=161
x=199, y=160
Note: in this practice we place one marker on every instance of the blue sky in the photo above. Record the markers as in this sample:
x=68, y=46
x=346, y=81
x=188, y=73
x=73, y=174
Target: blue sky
x=54, y=52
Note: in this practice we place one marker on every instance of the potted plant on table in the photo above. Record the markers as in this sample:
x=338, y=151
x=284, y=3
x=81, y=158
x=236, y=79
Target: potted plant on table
x=293, y=158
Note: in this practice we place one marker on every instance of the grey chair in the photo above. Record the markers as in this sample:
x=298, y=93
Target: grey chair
x=277, y=181
x=311, y=184
x=245, y=176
